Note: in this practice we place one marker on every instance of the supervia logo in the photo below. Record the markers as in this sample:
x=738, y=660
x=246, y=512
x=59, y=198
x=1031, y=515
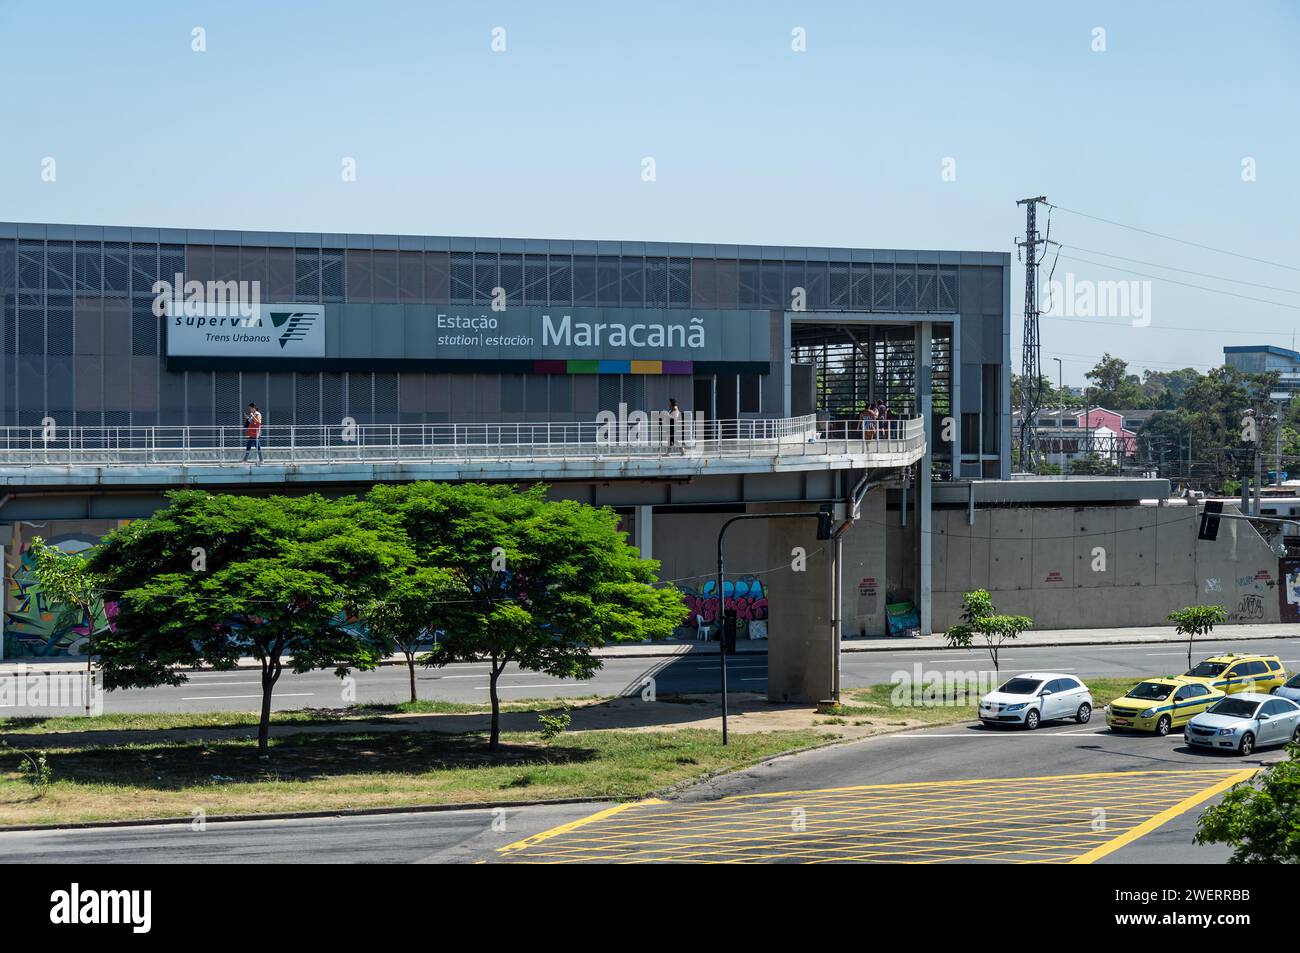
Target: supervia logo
x=296, y=324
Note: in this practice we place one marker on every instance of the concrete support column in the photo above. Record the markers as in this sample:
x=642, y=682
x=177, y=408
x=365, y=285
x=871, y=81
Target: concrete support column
x=643, y=531
x=799, y=650
x=925, y=405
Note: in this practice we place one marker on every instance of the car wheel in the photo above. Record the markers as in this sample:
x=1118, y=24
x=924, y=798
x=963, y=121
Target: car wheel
x=1247, y=744
x=1295, y=736
x=1084, y=715
x=1163, y=725
x=1031, y=719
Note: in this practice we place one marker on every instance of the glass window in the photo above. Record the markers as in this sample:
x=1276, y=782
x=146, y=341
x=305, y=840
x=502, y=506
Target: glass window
x=1207, y=669
x=1150, y=691
x=1022, y=686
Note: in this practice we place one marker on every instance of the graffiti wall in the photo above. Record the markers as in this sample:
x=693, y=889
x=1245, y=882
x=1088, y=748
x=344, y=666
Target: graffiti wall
x=746, y=594
x=32, y=627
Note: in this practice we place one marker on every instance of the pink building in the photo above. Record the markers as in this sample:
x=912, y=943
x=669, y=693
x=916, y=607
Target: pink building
x=1099, y=417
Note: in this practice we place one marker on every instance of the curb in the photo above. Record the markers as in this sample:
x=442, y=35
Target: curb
x=297, y=815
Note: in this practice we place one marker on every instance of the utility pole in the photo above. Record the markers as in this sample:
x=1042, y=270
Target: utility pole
x=1060, y=411
x=1031, y=360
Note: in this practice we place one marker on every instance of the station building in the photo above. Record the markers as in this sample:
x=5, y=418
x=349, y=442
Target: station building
x=405, y=334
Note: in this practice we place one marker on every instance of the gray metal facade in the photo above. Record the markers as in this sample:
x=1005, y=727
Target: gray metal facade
x=80, y=342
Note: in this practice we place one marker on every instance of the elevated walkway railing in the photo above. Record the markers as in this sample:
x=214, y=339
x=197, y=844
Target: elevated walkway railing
x=452, y=442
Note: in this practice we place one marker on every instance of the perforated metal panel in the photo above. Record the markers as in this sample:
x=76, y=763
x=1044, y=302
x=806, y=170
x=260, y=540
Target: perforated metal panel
x=607, y=280
x=386, y=395
x=679, y=282
x=117, y=269
x=485, y=276
x=306, y=274
x=333, y=277
x=90, y=268
x=360, y=396
x=385, y=275
x=905, y=287
x=927, y=292
x=462, y=277
x=228, y=405
x=947, y=289
x=839, y=296
x=333, y=398
x=59, y=267
x=609, y=391
x=750, y=279
x=632, y=282
x=512, y=278
x=882, y=287
x=306, y=399
x=31, y=322
x=410, y=276
x=560, y=291
x=584, y=280
x=58, y=324
x=535, y=280
x=656, y=282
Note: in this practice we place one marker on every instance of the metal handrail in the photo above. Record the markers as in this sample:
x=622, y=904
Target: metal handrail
x=631, y=437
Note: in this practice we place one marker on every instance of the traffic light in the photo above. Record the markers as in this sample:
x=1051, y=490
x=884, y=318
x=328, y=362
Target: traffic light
x=1210, y=520
x=825, y=521
x=729, y=632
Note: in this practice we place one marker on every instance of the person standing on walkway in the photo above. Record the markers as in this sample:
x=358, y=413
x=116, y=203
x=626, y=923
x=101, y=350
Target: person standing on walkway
x=674, y=424
x=253, y=431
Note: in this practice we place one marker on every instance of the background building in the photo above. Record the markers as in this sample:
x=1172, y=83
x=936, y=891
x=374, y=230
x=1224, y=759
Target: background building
x=1261, y=358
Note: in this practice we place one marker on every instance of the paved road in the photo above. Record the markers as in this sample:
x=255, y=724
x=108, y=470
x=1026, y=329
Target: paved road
x=239, y=690
x=946, y=794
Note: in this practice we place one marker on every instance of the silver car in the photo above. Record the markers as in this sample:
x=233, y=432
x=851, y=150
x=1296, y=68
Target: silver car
x=1244, y=722
x=1289, y=689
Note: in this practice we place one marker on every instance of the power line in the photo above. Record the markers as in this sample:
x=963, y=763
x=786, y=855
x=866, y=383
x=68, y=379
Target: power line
x=1186, y=271
x=1174, y=281
x=1181, y=241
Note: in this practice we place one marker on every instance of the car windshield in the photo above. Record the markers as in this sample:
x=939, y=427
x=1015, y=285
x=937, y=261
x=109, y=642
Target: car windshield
x=1208, y=670
x=1235, y=708
x=1151, y=691
x=1021, y=686
x=1294, y=681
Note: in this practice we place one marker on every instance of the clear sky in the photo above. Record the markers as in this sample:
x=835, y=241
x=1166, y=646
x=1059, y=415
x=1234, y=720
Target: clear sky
x=843, y=144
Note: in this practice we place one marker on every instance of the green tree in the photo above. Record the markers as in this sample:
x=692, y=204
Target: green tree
x=544, y=582
x=414, y=607
x=980, y=618
x=1114, y=387
x=212, y=578
x=1195, y=621
x=75, y=593
x=1259, y=818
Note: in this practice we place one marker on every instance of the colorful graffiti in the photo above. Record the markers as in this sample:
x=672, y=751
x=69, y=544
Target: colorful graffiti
x=34, y=626
x=746, y=595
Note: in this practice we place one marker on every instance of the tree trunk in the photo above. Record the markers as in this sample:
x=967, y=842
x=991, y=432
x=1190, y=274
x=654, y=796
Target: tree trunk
x=494, y=739
x=270, y=673
x=410, y=665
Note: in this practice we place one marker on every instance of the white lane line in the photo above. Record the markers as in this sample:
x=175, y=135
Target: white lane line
x=204, y=698
x=483, y=688
x=1167, y=653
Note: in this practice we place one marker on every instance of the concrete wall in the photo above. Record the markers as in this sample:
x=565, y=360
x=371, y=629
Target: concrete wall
x=1040, y=562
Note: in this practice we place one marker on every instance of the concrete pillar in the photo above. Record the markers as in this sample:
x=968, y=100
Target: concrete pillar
x=925, y=404
x=643, y=529
x=799, y=650
x=862, y=601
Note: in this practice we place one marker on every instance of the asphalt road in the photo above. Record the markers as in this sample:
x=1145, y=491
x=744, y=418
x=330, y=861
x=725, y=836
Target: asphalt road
x=954, y=790
x=240, y=690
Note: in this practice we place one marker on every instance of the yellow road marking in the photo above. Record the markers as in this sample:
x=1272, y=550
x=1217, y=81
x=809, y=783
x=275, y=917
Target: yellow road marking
x=918, y=822
x=1147, y=826
x=574, y=825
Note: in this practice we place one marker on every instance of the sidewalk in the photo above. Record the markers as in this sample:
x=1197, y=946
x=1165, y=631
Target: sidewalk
x=1137, y=635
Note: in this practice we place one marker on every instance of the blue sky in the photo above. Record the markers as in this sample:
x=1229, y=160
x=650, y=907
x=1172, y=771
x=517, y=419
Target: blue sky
x=753, y=143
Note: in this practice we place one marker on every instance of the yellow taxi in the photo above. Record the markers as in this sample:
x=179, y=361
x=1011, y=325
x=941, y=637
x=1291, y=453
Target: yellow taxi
x=1238, y=673
x=1160, y=704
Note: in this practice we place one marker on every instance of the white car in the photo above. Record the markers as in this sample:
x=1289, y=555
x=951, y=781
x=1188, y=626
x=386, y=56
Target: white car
x=1289, y=689
x=1245, y=721
x=1036, y=697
